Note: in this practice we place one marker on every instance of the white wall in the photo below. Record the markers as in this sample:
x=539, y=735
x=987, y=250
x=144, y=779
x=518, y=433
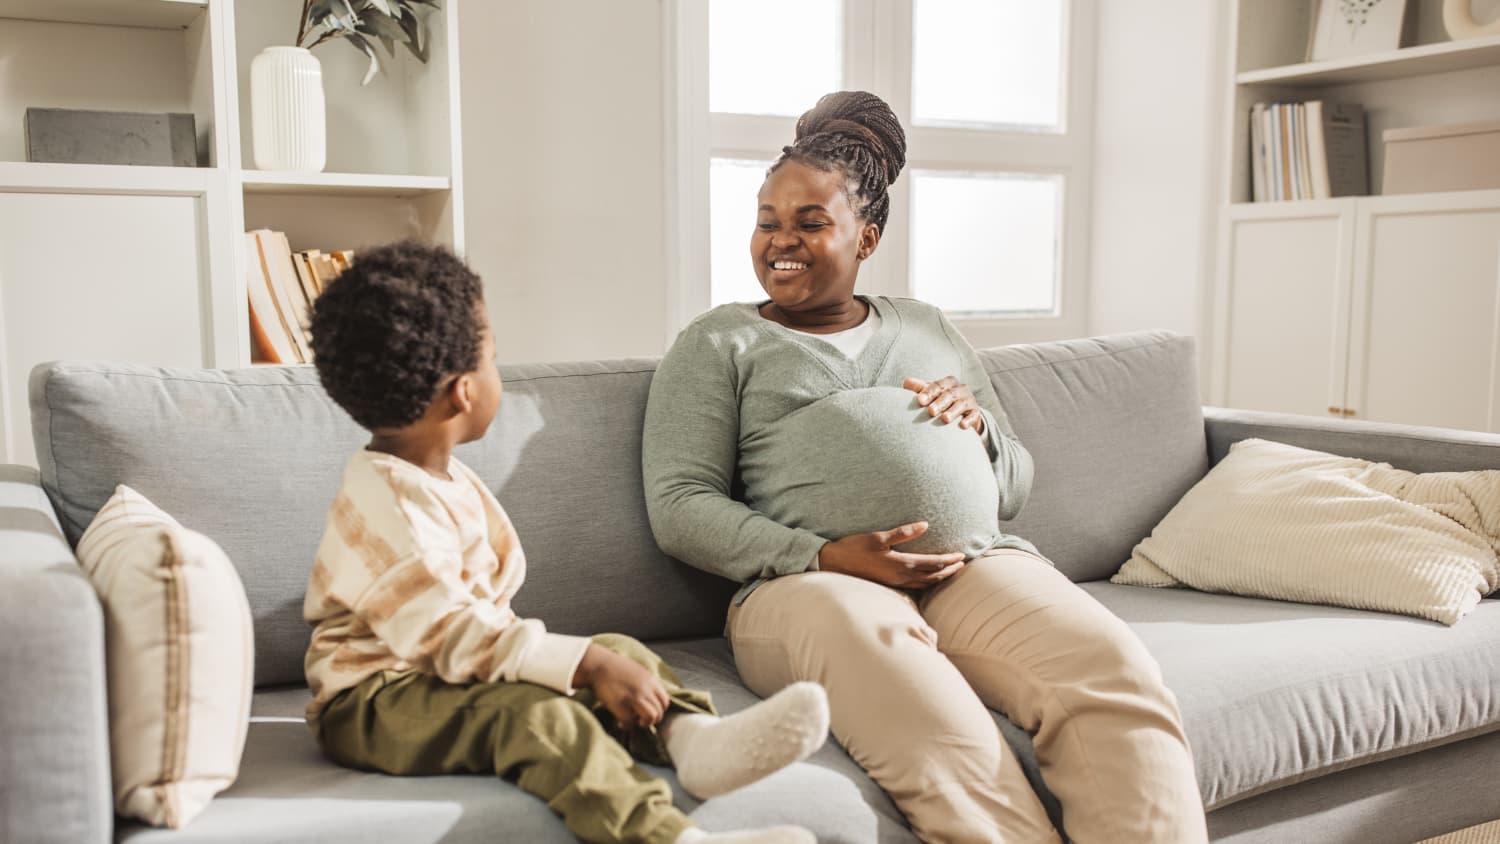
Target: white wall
x=1158, y=109
x=563, y=174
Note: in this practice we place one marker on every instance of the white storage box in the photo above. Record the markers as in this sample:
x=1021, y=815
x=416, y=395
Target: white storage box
x=1439, y=158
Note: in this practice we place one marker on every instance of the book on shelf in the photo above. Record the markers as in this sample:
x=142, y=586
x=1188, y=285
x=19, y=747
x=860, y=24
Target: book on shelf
x=269, y=340
x=1258, y=152
x=323, y=268
x=304, y=277
x=1344, y=137
x=1317, y=150
x=1304, y=178
x=281, y=286
x=1311, y=150
x=261, y=350
x=281, y=277
x=1293, y=151
x=1283, y=152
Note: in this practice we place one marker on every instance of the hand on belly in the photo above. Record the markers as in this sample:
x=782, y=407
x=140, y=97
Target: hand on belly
x=873, y=556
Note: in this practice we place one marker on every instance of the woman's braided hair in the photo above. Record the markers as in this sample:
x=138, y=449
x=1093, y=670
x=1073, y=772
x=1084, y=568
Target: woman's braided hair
x=856, y=133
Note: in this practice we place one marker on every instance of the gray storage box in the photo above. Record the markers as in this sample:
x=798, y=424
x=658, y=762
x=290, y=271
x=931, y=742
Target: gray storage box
x=74, y=136
x=1427, y=159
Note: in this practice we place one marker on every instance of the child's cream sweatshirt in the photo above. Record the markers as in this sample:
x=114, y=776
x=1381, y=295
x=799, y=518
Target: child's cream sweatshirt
x=417, y=572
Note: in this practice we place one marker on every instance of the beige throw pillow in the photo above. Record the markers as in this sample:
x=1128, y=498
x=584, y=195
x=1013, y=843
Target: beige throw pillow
x=179, y=654
x=1276, y=521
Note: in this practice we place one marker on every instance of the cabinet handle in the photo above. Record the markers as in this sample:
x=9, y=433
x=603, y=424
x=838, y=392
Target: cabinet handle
x=1336, y=411
x=1348, y=411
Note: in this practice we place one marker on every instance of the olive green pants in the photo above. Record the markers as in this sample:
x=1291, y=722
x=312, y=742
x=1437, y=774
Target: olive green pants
x=566, y=750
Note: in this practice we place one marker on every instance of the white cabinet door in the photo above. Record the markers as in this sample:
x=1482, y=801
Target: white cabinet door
x=1282, y=307
x=1424, y=321
x=95, y=277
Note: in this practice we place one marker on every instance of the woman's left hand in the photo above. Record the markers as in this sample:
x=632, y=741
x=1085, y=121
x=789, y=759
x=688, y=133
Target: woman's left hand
x=950, y=399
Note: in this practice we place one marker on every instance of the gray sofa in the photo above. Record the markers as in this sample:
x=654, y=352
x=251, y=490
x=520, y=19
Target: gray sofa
x=1307, y=723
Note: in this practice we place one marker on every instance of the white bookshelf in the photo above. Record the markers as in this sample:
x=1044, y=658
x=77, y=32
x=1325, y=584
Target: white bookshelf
x=149, y=14
x=1443, y=57
x=29, y=177
x=342, y=184
x=1347, y=306
x=1433, y=81
x=97, y=234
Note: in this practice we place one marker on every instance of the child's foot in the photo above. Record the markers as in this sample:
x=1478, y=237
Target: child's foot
x=772, y=835
x=717, y=755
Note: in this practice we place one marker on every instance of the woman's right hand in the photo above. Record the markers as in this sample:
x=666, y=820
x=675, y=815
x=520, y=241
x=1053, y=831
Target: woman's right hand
x=872, y=556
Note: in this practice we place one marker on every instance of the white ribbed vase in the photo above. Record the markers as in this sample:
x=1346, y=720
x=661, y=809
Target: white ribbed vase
x=286, y=110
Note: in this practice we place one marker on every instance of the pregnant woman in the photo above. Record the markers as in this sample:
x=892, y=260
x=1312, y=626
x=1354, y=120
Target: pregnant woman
x=845, y=458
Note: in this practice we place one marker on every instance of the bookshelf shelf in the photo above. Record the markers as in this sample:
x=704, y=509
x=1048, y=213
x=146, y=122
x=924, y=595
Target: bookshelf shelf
x=1395, y=64
x=151, y=14
x=1289, y=209
x=33, y=177
x=341, y=184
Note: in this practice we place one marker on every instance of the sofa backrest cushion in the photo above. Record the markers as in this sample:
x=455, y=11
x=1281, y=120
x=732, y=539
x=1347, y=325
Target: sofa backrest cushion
x=1115, y=427
x=252, y=457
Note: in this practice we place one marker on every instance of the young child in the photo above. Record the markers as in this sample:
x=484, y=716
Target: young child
x=417, y=663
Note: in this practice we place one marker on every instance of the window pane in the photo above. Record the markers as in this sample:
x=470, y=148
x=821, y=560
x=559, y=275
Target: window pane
x=732, y=190
x=985, y=242
x=987, y=61
x=772, y=56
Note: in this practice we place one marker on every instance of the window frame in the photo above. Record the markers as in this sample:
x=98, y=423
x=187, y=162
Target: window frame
x=881, y=28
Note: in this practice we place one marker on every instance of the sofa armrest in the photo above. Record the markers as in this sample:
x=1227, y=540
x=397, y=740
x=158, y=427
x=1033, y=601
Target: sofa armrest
x=1409, y=447
x=54, y=725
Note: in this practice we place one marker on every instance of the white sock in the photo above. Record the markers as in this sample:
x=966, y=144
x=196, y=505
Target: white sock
x=717, y=755
x=770, y=835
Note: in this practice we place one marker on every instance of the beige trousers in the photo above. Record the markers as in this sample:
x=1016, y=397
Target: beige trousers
x=909, y=680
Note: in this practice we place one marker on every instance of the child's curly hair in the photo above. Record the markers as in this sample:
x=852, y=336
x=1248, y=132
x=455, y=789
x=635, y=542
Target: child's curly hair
x=391, y=327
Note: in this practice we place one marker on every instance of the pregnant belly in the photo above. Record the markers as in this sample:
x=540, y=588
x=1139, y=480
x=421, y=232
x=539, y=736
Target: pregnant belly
x=873, y=459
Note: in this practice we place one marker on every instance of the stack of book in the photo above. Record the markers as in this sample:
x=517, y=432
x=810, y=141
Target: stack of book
x=282, y=285
x=1312, y=150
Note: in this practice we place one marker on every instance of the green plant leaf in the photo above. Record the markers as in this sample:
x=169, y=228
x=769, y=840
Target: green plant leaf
x=385, y=7
x=416, y=35
x=363, y=44
x=386, y=29
x=321, y=11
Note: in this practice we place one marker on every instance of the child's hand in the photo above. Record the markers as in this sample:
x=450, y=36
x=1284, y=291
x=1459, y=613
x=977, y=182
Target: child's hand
x=631, y=693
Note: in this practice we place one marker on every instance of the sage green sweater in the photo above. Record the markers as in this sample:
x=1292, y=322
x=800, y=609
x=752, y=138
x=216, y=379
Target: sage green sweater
x=762, y=444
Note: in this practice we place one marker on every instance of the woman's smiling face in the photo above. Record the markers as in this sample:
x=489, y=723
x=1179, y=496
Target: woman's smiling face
x=808, y=241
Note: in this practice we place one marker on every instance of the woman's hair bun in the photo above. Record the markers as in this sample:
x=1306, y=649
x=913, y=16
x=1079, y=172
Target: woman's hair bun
x=863, y=118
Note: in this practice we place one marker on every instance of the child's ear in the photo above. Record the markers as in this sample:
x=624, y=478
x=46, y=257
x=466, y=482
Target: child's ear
x=462, y=393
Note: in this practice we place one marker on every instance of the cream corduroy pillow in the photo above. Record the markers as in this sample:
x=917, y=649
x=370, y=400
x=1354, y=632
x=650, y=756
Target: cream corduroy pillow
x=179, y=657
x=1276, y=521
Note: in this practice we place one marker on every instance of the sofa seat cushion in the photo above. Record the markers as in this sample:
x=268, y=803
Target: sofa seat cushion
x=1273, y=693
x=287, y=791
